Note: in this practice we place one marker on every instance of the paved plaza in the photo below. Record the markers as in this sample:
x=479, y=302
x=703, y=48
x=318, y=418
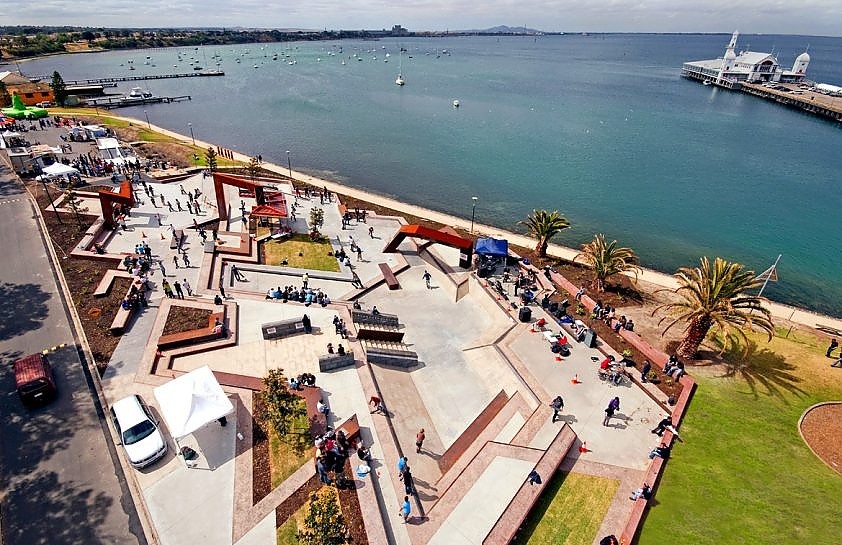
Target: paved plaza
x=479, y=369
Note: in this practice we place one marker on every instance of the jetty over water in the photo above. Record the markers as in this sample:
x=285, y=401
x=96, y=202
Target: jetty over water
x=94, y=81
x=120, y=101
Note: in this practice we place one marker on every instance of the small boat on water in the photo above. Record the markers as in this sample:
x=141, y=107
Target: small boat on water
x=197, y=67
x=456, y=103
x=137, y=95
x=706, y=82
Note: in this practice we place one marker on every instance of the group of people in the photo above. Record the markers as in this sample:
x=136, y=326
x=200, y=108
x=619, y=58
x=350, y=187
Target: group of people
x=341, y=328
x=674, y=368
x=332, y=450
x=340, y=349
x=302, y=380
x=304, y=295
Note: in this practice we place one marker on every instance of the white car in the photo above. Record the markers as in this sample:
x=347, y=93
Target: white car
x=138, y=431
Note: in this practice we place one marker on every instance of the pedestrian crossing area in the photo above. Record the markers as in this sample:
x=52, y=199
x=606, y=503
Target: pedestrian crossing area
x=11, y=201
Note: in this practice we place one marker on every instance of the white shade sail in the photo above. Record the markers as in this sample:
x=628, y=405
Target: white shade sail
x=191, y=401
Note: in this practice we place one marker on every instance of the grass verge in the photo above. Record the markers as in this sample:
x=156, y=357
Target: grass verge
x=287, y=453
x=569, y=511
x=743, y=473
x=300, y=252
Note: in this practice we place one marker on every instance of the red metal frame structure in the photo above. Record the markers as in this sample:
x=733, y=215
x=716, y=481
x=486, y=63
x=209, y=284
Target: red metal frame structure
x=220, y=179
x=107, y=199
x=464, y=245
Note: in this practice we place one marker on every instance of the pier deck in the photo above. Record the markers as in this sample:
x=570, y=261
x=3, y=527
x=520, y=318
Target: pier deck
x=811, y=101
x=196, y=74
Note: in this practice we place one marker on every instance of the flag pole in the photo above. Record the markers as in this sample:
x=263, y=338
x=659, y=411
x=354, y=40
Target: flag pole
x=768, y=276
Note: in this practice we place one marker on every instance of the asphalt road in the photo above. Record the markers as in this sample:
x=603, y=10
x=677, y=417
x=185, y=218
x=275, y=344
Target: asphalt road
x=60, y=481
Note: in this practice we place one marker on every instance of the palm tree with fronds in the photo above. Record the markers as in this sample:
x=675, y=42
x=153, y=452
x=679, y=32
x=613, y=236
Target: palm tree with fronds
x=544, y=225
x=715, y=296
x=607, y=259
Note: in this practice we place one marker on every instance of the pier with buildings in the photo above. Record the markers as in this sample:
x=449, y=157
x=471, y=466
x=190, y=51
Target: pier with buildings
x=760, y=74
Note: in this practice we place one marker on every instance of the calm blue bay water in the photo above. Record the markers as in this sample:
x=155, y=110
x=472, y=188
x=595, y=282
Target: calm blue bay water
x=601, y=128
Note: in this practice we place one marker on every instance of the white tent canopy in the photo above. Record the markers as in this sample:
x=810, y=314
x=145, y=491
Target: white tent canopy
x=59, y=169
x=192, y=401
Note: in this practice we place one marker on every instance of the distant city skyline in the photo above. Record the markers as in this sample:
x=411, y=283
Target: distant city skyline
x=812, y=17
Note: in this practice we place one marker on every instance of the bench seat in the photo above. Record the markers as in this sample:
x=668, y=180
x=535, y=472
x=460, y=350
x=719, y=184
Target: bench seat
x=389, y=276
x=362, y=317
x=329, y=362
x=282, y=328
x=194, y=336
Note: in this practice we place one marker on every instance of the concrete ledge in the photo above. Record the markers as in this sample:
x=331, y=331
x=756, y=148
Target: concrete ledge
x=472, y=432
x=291, y=271
x=512, y=518
x=108, y=278
x=329, y=362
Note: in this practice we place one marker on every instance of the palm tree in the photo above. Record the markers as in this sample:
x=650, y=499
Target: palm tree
x=607, y=259
x=544, y=225
x=715, y=296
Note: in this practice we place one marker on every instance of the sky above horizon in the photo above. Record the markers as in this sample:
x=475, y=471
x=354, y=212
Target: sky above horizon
x=809, y=17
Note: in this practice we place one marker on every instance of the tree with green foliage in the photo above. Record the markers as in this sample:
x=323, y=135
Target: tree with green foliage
x=5, y=97
x=253, y=168
x=72, y=200
x=544, y=225
x=88, y=36
x=282, y=406
x=715, y=296
x=59, y=88
x=607, y=259
x=317, y=218
x=324, y=523
x=210, y=159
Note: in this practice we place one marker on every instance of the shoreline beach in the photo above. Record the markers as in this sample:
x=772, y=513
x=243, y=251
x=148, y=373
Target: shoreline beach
x=801, y=316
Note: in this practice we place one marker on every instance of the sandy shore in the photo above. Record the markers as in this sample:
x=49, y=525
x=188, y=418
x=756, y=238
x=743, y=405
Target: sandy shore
x=779, y=310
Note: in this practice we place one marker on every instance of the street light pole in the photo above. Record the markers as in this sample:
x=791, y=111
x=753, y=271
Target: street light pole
x=50, y=198
x=191, y=134
x=473, y=212
x=289, y=164
x=148, y=126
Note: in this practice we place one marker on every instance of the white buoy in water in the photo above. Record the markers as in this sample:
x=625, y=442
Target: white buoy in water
x=456, y=103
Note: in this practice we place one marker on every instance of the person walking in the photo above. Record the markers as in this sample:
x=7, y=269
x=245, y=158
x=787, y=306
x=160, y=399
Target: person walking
x=419, y=440
x=408, y=482
x=175, y=261
x=371, y=232
x=427, y=277
x=167, y=288
x=613, y=406
x=359, y=254
x=178, y=291
x=406, y=509
x=557, y=405
x=833, y=345
x=402, y=463
x=178, y=205
x=186, y=260
x=187, y=287
x=161, y=266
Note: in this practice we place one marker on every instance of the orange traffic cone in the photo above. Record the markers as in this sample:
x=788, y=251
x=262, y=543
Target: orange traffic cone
x=162, y=237
x=143, y=234
x=583, y=448
x=558, y=358
x=575, y=379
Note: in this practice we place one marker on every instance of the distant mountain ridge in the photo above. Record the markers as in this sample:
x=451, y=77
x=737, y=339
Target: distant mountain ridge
x=503, y=29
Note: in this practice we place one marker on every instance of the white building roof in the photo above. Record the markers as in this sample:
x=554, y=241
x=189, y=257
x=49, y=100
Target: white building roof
x=754, y=57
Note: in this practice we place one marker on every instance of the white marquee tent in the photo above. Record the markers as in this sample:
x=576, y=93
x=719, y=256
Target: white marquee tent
x=59, y=169
x=191, y=401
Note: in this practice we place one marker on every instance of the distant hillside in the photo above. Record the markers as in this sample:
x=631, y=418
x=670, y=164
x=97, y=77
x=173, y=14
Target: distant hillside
x=503, y=29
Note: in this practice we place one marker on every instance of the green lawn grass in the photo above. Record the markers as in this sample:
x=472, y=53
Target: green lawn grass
x=285, y=534
x=289, y=452
x=743, y=473
x=569, y=512
x=315, y=254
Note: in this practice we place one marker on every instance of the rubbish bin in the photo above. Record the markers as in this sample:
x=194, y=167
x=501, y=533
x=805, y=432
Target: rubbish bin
x=590, y=339
x=525, y=314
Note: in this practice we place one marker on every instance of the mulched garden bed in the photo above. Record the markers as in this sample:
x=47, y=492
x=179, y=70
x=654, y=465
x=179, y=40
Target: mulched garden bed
x=261, y=473
x=83, y=277
x=821, y=429
x=183, y=319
